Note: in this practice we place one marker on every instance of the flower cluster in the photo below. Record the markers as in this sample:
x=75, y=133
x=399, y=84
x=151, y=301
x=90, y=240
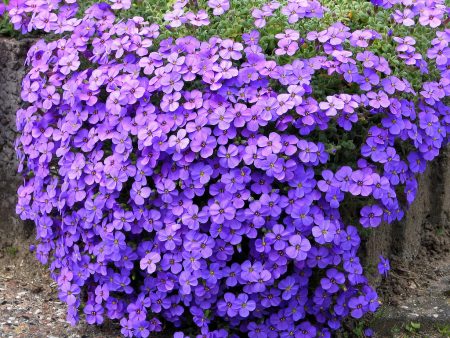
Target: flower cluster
x=430, y=13
x=58, y=16
x=293, y=10
x=194, y=183
x=178, y=17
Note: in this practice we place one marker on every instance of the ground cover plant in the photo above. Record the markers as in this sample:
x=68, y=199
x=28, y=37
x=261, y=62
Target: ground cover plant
x=207, y=167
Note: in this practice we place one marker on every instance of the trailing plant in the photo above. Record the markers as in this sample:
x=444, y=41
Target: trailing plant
x=210, y=170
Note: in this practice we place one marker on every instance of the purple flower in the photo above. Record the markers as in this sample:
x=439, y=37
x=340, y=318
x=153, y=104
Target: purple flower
x=377, y=100
x=243, y=305
x=430, y=17
x=179, y=141
x=149, y=262
x=139, y=193
x=405, y=17
x=384, y=266
x=203, y=144
x=349, y=71
x=308, y=151
x=289, y=287
x=221, y=211
x=94, y=313
x=219, y=6
x=324, y=232
x=360, y=184
x=298, y=248
x=102, y=294
x=332, y=106
x=357, y=306
x=286, y=47
x=260, y=17
x=333, y=279
x=121, y=4
x=305, y=330
x=230, y=49
x=69, y=293
x=199, y=19
x=369, y=332
x=371, y=216
x=50, y=97
x=175, y=18
x=229, y=305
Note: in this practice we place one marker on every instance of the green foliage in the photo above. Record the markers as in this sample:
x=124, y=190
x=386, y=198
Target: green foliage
x=11, y=251
x=357, y=14
x=444, y=330
x=6, y=29
x=412, y=327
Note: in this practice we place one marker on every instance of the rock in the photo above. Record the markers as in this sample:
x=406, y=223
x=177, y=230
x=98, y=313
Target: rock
x=12, y=56
x=428, y=307
x=418, y=230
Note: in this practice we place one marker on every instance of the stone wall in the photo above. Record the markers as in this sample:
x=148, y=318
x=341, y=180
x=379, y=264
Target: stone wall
x=12, y=56
x=428, y=214
x=404, y=238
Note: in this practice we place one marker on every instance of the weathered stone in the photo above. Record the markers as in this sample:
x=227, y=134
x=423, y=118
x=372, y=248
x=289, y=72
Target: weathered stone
x=440, y=190
x=12, y=56
x=404, y=239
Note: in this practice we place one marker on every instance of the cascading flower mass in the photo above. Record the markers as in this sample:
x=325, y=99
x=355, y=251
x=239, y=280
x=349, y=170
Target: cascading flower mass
x=219, y=185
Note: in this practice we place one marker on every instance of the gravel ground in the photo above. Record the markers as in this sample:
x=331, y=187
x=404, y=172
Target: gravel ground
x=29, y=304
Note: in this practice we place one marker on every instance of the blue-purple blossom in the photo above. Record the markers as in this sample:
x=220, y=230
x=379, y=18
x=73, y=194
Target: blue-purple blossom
x=187, y=181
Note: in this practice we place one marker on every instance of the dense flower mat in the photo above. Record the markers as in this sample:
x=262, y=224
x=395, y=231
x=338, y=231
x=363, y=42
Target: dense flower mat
x=219, y=184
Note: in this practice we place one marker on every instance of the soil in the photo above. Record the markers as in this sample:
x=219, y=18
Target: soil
x=411, y=278
x=29, y=304
x=416, y=295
